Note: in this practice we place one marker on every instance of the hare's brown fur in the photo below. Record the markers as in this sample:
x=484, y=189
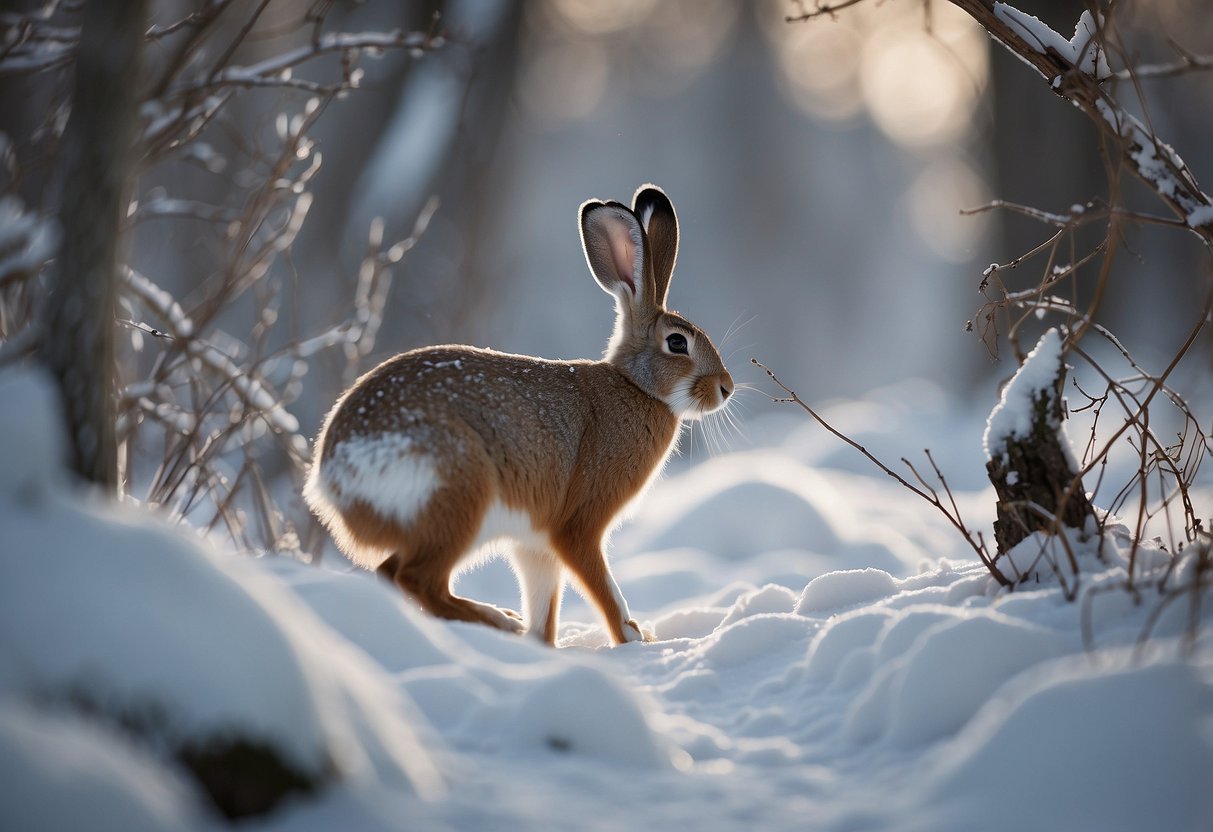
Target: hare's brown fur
x=514, y=452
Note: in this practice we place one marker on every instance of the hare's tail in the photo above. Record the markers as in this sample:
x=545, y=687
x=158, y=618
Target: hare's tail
x=367, y=491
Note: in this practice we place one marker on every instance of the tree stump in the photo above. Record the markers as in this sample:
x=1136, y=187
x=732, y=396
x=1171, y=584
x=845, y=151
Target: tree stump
x=1030, y=464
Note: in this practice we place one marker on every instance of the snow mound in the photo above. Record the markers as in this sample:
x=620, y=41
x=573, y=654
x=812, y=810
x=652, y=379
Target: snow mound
x=583, y=712
x=771, y=598
x=848, y=588
x=32, y=433
x=46, y=757
x=113, y=615
x=979, y=653
x=1076, y=552
x=1081, y=747
x=691, y=623
x=756, y=637
x=793, y=500
x=841, y=637
x=396, y=635
x=489, y=691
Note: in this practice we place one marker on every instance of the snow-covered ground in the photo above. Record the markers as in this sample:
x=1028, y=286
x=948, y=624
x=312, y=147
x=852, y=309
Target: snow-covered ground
x=828, y=655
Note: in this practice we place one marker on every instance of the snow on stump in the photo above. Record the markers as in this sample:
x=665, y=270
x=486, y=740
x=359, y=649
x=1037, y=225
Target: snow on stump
x=1030, y=463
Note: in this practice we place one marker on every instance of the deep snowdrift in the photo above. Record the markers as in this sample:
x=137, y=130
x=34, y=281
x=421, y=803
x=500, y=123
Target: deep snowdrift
x=827, y=659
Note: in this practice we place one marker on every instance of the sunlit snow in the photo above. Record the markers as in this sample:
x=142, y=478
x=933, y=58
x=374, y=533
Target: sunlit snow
x=839, y=661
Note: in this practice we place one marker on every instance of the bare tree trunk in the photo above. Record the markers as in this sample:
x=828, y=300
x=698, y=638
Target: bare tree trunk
x=77, y=321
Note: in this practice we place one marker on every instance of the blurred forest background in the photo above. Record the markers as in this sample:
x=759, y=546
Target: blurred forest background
x=819, y=170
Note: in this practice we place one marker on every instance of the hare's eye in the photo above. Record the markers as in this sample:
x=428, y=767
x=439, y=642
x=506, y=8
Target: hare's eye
x=677, y=343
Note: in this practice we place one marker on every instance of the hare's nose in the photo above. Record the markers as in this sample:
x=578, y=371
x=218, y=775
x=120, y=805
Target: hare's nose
x=726, y=386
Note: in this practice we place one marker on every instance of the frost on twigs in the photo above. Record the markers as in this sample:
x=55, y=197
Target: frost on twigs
x=197, y=418
x=1029, y=459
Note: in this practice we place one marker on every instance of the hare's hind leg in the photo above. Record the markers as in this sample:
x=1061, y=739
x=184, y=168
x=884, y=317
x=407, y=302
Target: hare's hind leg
x=431, y=588
x=427, y=554
x=542, y=579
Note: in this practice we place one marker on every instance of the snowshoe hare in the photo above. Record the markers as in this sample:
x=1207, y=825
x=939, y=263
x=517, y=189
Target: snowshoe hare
x=440, y=451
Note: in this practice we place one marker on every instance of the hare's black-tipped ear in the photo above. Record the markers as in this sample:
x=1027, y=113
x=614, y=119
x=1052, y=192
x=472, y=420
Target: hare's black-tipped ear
x=614, y=248
x=656, y=214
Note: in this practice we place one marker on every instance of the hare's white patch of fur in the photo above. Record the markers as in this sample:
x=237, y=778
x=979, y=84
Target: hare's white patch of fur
x=511, y=532
x=681, y=400
x=631, y=632
x=387, y=472
x=505, y=526
x=542, y=576
x=647, y=214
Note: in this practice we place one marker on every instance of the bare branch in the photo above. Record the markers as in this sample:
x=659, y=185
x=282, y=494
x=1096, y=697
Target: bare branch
x=270, y=71
x=930, y=495
x=819, y=10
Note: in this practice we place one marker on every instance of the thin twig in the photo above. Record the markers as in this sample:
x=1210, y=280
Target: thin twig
x=930, y=496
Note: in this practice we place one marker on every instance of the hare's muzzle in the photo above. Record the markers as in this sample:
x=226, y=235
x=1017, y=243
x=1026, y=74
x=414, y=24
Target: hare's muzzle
x=712, y=392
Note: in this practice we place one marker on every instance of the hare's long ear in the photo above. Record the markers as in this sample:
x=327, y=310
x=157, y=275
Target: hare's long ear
x=615, y=250
x=656, y=214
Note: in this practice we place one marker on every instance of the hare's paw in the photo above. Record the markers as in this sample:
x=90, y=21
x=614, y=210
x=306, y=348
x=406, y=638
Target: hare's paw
x=507, y=620
x=512, y=625
x=633, y=632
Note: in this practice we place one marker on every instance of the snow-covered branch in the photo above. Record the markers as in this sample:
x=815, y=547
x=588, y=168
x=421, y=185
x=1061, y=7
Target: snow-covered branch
x=167, y=208
x=1076, y=69
x=31, y=44
x=255, y=393
x=277, y=70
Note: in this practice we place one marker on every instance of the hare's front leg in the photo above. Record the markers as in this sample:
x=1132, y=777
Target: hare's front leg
x=588, y=563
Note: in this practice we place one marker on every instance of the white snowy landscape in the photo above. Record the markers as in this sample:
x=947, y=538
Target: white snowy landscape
x=827, y=654
x=183, y=648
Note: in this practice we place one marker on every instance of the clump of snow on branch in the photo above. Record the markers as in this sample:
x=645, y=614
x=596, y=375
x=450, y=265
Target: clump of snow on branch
x=1152, y=159
x=1082, y=50
x=1157, y=163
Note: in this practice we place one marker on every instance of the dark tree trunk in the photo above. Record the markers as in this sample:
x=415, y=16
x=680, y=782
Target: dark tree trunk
x=77, y=320
x=1034, y=472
